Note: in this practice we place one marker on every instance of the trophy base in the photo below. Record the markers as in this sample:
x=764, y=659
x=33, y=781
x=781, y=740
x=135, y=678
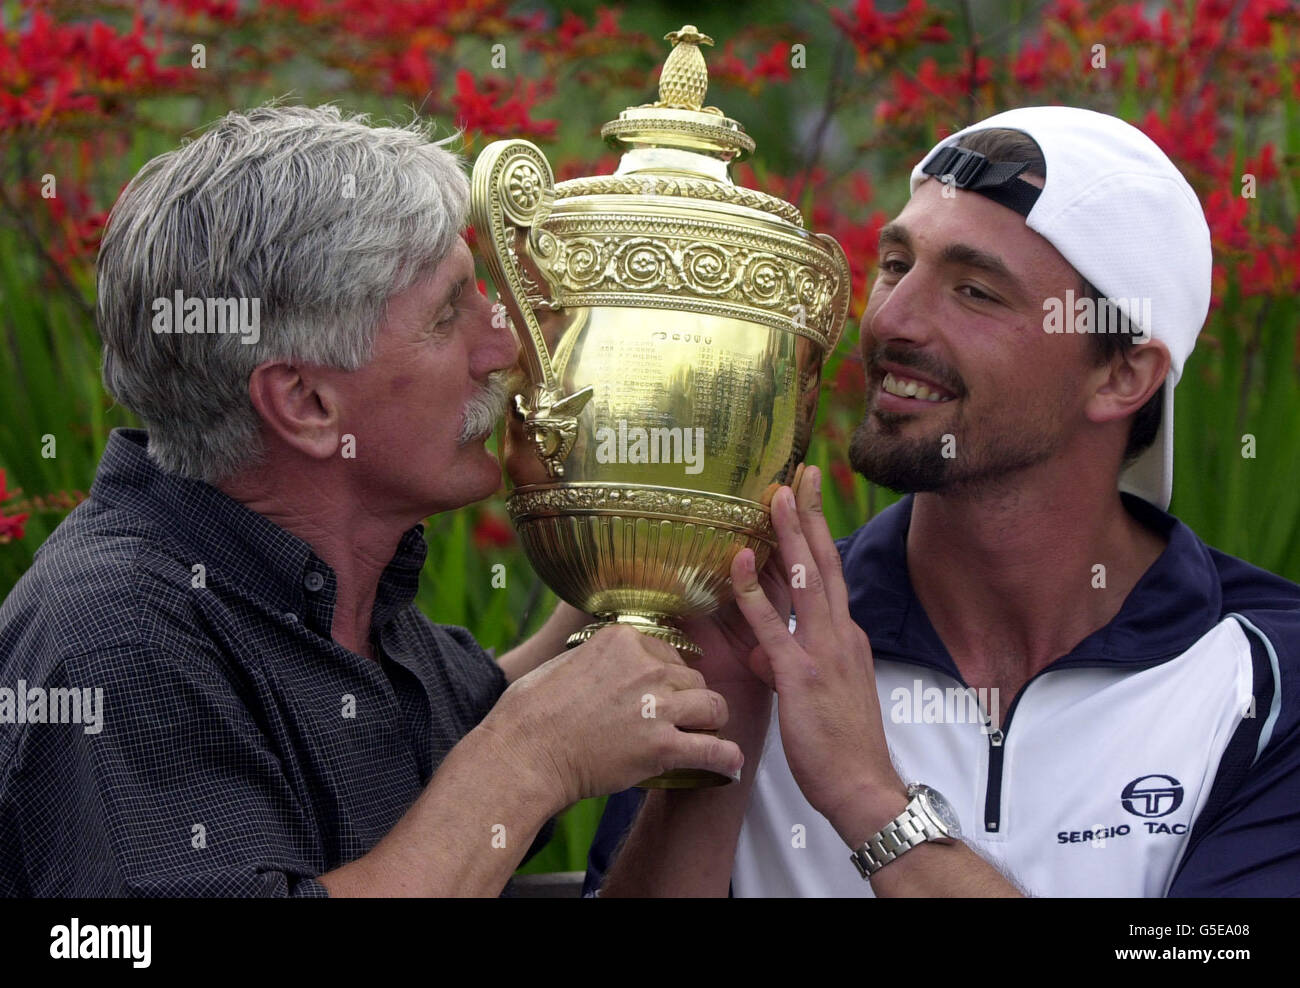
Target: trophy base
x=655, y=627
x=677, y=778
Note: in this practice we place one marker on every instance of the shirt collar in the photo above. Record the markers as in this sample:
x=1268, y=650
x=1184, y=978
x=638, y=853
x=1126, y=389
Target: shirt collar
x=240, y=546
x=1175, y=602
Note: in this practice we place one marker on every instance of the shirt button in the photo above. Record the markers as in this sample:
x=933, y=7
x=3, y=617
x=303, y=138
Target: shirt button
x=313, y=581
x=291, y=617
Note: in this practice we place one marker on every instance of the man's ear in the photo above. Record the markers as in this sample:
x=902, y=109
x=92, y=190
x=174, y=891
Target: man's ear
x=1128, y=381
x=298, y=406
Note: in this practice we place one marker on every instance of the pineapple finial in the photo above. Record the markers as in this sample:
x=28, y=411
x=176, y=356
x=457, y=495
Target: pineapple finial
x=684, y=79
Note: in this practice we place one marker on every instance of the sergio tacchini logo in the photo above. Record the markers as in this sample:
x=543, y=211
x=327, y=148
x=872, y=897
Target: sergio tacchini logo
x=1152, y=795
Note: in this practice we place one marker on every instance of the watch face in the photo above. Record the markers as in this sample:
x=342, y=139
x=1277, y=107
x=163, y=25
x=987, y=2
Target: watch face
x=941, y=809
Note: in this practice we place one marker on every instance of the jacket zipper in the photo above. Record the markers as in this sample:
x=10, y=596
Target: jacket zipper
x=998, y=743
x=993, y=794
x=997, y=749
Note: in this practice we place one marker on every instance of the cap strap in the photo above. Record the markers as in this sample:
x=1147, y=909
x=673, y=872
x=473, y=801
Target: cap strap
x=997, y=181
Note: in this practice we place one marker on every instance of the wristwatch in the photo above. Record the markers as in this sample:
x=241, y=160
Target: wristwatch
x=927, y=817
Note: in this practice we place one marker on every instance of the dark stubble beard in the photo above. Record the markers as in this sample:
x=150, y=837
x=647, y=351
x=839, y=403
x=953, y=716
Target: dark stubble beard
x=988, y=450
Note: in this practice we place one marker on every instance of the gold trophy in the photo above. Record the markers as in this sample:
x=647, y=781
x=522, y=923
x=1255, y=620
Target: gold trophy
x=673, y=328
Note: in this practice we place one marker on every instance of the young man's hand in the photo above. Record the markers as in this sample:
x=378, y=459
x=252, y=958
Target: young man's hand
x=823, y=672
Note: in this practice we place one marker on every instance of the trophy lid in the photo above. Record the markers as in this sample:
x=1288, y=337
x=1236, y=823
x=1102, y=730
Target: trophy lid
x=678, y=147
x=679, y=119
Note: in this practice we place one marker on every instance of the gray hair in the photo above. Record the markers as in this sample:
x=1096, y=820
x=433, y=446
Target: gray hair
x=322, y=217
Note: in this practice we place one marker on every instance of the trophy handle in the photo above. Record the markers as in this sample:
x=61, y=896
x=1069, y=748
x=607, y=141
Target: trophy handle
x=512, y=192
x=841, y=292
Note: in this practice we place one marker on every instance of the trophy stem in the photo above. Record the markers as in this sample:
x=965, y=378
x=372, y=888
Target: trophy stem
x=663, y=629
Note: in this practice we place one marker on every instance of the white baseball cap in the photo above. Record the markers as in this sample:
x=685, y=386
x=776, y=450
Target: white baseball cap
x=1120, y=212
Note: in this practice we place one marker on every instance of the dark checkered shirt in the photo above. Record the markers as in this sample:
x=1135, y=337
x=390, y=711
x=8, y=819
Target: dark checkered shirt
x=241, y=751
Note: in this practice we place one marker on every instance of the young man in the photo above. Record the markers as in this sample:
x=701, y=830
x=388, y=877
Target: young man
x=1119, y=710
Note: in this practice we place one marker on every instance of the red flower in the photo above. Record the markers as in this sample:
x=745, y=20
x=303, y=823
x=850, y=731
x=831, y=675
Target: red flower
x=773, y=63
x=1263, y=167
x=929, y=89
x=570, y=29
x=1190, y=139
x=607, y=22
x=491, y=532
x=11, y=526
x=872, y=32
x=1257, y=20
x=728, y=67
x=218, y=10
x=50, y=70
x=573, y=38
x=1226, y=213
x=842, y=476
x=859, y=238
x=850, y=379
x=860, y=186
x=497, y=109
x=1125, y=25
x=412, y=72
x=1271, y=267
x=1028, y=67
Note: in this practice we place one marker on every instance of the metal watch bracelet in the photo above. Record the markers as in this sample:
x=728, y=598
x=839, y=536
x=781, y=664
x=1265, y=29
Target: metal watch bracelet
x=914, y=826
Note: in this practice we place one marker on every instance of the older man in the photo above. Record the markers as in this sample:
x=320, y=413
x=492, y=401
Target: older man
x=287, y=304
x=1127, y=721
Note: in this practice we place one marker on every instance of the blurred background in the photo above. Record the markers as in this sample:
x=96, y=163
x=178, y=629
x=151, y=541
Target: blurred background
x=842, y=100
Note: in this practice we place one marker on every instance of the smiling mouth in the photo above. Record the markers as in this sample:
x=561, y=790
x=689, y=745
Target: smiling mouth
x=903, y=387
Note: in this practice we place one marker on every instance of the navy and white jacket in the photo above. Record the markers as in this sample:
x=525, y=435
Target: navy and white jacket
x=1160, y=757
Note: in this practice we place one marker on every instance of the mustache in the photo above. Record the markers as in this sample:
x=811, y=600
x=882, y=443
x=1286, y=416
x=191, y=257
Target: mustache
x=940, y=373
x=485, y=409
